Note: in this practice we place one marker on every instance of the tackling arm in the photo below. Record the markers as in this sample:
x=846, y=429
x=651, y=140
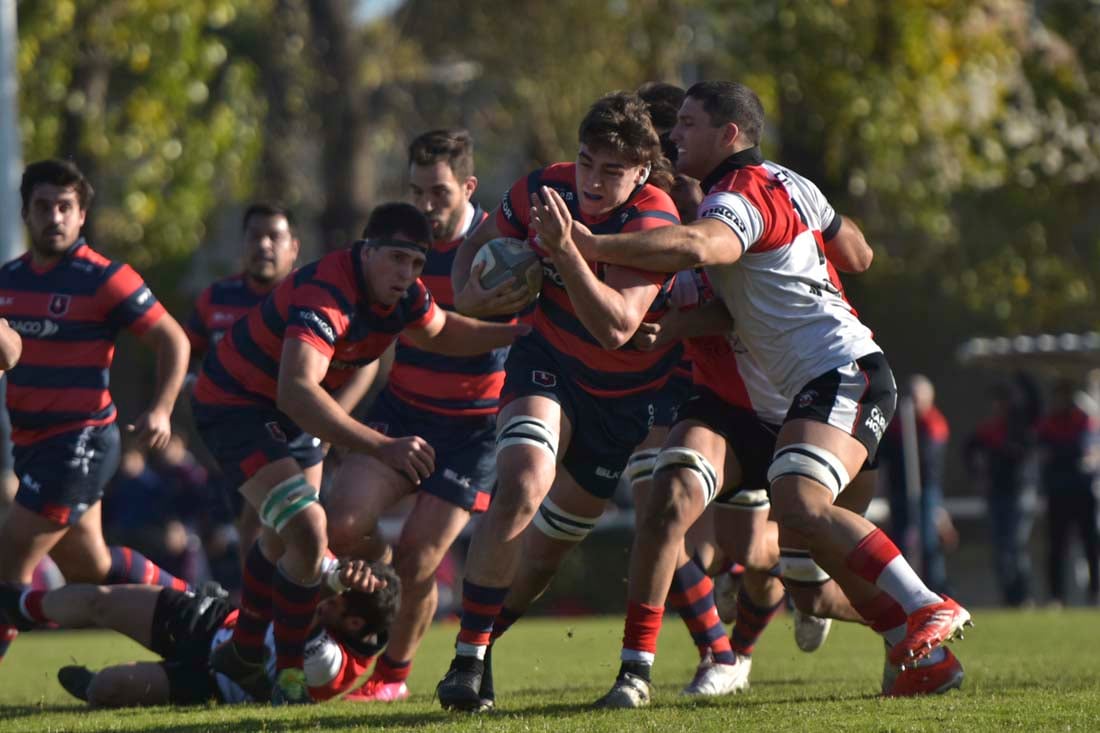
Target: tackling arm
x=456, y=335
x=848, y=249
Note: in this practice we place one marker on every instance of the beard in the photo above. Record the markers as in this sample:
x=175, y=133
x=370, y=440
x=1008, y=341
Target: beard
x=444, y=230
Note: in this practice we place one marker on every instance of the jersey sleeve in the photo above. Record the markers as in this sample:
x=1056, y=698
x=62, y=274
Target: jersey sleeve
x=652, y=214
x=736, y=212
x=419, y=305
x=513, y=215
x=127, y=301
x=195, y=328
x=317, y=315
x=824, y=216
x=331, y=668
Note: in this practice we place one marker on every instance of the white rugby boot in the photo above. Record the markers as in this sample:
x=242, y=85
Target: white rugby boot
x=713, y=679
x=810, y=632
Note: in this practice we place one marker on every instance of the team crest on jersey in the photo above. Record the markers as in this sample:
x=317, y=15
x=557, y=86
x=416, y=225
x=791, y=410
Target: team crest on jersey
x=544, y=379
x=807, y=398
x=59, y=304
x=275, y=431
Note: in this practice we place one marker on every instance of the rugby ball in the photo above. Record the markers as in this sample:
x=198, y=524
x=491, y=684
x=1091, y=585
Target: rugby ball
x=505, y=257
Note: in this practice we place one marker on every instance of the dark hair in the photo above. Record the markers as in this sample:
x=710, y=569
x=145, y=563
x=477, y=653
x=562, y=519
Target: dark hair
x=663, y=101
x=263, y=208
x=729, y=101
x=62, y=173
x=397, y=217
x=455, y=147
x=619, y=123
x=377, y=609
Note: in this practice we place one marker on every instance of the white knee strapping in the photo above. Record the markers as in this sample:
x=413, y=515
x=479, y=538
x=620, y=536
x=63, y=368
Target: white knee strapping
x=693, y=461
x=640, y=466
x=746, y=500
x=285, y=501
x=805, y=459
x=558, y=524
x=798, y=566
x=527, y=430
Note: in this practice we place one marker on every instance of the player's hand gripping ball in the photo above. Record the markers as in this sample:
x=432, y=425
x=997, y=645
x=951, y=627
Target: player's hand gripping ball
x=505, y=258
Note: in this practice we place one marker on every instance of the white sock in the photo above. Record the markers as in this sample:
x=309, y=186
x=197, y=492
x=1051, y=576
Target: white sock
x=464, y=649
x=902, y=583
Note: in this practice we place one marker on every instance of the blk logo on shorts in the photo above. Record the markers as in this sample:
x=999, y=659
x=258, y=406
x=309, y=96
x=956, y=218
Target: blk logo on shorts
x=807, y=398
x=59, y=304
x=544, y=379
x=275, y=431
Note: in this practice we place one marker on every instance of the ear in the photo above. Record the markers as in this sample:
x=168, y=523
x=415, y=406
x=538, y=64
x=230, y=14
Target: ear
x=83, y=216
x=469, y=186
x=295, y=246
x=730, y=134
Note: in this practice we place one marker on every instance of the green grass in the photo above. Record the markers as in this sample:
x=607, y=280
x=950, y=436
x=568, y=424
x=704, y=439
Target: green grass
x=1025, y=671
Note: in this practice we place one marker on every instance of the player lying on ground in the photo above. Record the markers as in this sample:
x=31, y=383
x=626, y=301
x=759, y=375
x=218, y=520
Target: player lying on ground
x=348, y=629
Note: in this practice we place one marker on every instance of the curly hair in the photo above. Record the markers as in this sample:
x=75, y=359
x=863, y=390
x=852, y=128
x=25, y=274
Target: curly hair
x=619, y=123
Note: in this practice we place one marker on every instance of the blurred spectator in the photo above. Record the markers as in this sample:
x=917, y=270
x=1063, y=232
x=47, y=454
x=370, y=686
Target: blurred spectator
x=932, y=434
x=1070, y=489
x=1002, y=452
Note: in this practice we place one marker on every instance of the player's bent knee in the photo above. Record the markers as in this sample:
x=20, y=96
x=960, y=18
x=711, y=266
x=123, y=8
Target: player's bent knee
x=558, y=524
x=798, y=569
x=528, y=431
x=809, y=461
x=288, y=500
x=685, y=466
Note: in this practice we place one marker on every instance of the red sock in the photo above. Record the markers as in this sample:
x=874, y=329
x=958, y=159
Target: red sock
x=871, y=556
x=389, y=671
x=643, y=624
x=882, y=612
x=750, y=624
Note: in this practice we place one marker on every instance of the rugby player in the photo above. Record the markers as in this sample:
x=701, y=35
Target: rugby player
x=347, y=631
x=765, y=262
x=271, y=378
x=449, y=401
x=69, y=303
x=577, y=395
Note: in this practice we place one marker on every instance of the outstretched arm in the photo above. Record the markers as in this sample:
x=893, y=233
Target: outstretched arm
x=456, y=335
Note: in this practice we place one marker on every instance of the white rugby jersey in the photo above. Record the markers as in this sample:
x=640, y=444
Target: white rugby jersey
x=789, y=313
x=745, y=385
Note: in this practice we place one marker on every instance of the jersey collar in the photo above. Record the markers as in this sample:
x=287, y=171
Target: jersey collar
x=740, y=159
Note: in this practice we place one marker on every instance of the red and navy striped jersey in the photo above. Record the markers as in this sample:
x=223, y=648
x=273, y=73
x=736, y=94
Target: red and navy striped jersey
x=448, y=385
x=69, y=315
x=324, y=304
x=217, y=307
x=599, y=371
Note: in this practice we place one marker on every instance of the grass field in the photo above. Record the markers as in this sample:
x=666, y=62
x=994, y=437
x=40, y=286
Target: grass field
x=1025, y=671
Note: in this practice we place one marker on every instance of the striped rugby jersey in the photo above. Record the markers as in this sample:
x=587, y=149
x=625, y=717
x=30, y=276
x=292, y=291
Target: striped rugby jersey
x=324, y=304
x=217, y=307
x=69, y=315
x=597, y=370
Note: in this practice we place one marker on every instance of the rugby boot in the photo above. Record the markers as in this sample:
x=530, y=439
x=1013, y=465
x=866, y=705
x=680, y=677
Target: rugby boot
x=713, y=679
x=377, y=689
x=460, y=688
x=929, y=678
x=290, y=688
x=249, y=676
x=810, y=632
x=927, y=628
x=631, y=688
x=76, y=680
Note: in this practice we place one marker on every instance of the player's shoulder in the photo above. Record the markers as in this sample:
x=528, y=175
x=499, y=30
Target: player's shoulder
x=789, y=177
x=559, y=172
x=651, y=198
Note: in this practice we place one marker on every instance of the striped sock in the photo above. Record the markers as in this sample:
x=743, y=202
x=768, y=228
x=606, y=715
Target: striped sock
x=7, y=636
x=130, y=566
x=256, y=605
x=387, y=670
x=750, y=624
x=30, y=605
x=877, y=560
x=480, y=606
x=294, y=605
x=692, y=596
x=504, y=621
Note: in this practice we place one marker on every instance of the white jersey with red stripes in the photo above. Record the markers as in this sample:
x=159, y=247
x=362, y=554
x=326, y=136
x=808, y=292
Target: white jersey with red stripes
x=789, y=313
x=721, y=363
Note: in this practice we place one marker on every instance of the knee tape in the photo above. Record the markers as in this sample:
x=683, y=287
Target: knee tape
x=640, y=466
x=693, y=461
x=797, y=566
x=805, y=459
x=745, y=500
x=527, y=430
x=558, y=524
x=285, y=501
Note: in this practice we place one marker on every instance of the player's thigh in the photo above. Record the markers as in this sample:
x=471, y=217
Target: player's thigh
x=82, y=554
x=257, y=488
x=566, y=516
x=692, y=466
x=744, y=535
x=533, y=434
x=25, y=538
x=654, y=439
x=362, y=490
x=428, y=533
x=126, y=685
x=859, y=493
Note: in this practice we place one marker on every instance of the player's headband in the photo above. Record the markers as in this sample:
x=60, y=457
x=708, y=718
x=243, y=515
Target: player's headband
x=391, y=242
